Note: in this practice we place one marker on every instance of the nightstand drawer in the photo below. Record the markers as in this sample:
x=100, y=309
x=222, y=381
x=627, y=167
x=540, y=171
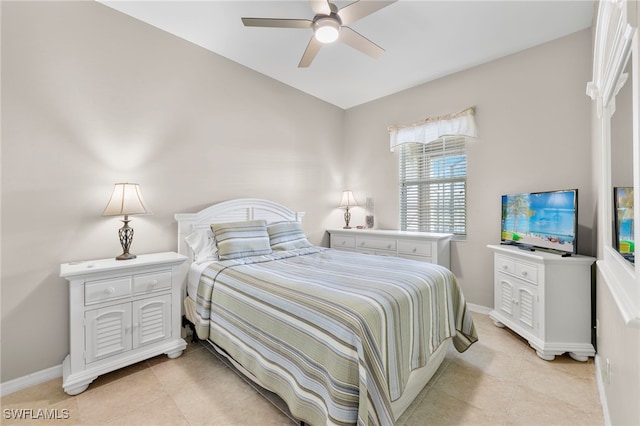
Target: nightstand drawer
x=146, y=283
x=414, y=248
x=339, y=241
x=376, y=244
x=105, y=290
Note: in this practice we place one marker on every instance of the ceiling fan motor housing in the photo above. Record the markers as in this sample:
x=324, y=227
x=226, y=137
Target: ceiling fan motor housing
x=327, y=28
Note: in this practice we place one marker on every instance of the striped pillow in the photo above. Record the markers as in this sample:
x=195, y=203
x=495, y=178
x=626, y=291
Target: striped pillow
x=287, y=236
x=241, y=239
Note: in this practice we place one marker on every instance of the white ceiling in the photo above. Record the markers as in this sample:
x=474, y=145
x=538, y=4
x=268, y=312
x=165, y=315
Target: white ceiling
x=423, y=39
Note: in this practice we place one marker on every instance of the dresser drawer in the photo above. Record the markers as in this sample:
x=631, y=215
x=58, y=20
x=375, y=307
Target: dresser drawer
x=527, y=272
x=105, y=290
x=146, y=283
x=340, y=241
x=518, y=269
x=504, y=264
x=376, y=244
x=413, y=248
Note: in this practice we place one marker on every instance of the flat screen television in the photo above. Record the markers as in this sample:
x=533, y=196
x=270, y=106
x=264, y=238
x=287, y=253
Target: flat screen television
x=541, y=220
x=623, y=218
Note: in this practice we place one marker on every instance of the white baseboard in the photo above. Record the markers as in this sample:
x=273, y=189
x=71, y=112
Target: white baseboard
x=29, y=380
x=478, y=308
x=603, y=397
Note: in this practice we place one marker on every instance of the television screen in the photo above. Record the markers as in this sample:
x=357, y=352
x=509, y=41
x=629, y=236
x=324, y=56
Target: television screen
x=624, y=235
x=543, y=220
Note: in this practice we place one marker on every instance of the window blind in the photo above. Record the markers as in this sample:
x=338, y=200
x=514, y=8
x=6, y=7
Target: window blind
x=433, y=186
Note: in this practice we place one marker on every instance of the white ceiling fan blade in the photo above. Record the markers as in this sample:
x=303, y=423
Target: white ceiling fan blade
x=277, y=23
x=310, y=52
x=360, y=42
x=351, y=13
x=320, y=7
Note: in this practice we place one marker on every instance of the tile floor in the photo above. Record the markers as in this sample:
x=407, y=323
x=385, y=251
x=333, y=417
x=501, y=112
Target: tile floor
x=498, y=381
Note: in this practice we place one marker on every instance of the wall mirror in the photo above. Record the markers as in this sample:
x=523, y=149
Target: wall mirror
x=614, y=90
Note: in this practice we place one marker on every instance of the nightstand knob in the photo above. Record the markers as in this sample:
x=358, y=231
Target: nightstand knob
x=524, y=273
x=153, y=282
x=110, y=290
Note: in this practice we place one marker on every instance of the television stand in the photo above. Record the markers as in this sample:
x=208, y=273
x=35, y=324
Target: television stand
x=546, y=299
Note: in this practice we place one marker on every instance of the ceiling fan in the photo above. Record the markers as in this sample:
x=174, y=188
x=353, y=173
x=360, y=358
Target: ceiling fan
x=329, y=24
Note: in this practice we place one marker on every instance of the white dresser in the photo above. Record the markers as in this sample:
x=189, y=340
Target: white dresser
x=121, y=312
x=545, y=298
x=422, y=246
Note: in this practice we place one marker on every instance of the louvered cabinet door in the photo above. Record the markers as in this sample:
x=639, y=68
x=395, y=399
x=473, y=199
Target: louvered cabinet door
x=151, y=320
x=525, y=302
x=504, y=297
x=107, y=332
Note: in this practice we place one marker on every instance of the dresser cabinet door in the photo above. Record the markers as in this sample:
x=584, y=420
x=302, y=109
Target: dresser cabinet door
x=517, y=300
x=504, y=297
x=526, y=307
x=107, y=332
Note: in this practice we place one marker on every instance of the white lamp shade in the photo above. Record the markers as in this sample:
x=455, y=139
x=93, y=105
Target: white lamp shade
x=348, y=200
x=125, y=200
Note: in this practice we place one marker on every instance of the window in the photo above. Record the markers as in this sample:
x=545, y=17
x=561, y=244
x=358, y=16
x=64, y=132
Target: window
x=433, y=186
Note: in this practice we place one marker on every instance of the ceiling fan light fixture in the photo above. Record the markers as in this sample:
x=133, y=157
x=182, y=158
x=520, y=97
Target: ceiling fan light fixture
x=326, y=30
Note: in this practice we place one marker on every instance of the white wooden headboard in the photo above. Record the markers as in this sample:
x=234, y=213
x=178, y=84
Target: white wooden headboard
x=231, y=211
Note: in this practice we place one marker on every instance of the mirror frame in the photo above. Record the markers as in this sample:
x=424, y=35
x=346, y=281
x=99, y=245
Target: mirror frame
x=615, y=43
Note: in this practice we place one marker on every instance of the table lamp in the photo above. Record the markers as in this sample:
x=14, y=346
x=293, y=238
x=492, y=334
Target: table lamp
x=126, y=200
x=347, y=201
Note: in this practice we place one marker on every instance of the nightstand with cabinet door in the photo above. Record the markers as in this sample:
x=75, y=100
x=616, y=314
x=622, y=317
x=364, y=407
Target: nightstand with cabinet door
x=121, y=312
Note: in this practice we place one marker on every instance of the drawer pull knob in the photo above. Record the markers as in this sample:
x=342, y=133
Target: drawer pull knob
x=415, y=249
x=524, y=273
x=389, y=246
x=505, y=267
x=153, y=282
x=110, y=290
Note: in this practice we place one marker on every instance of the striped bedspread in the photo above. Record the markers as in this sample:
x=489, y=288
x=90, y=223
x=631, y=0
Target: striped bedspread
x=335, y=334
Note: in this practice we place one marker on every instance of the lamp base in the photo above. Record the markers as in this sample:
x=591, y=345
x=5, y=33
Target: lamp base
x=126, y=256
x=126, y=237
x=347, y=219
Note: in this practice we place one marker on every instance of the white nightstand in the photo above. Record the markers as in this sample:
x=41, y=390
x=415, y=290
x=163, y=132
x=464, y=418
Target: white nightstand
x=121, y=312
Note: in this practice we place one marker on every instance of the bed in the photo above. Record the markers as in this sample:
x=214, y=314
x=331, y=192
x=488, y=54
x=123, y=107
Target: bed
x=340, y=337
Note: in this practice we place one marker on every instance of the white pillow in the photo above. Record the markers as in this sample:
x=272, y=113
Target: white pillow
x=203, y=245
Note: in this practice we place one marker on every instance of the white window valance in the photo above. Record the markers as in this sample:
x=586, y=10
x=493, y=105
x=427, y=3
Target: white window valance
x=431, y=129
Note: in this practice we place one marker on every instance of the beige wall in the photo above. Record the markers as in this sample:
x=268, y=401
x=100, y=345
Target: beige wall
x=91, y=97
x=533, y=119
